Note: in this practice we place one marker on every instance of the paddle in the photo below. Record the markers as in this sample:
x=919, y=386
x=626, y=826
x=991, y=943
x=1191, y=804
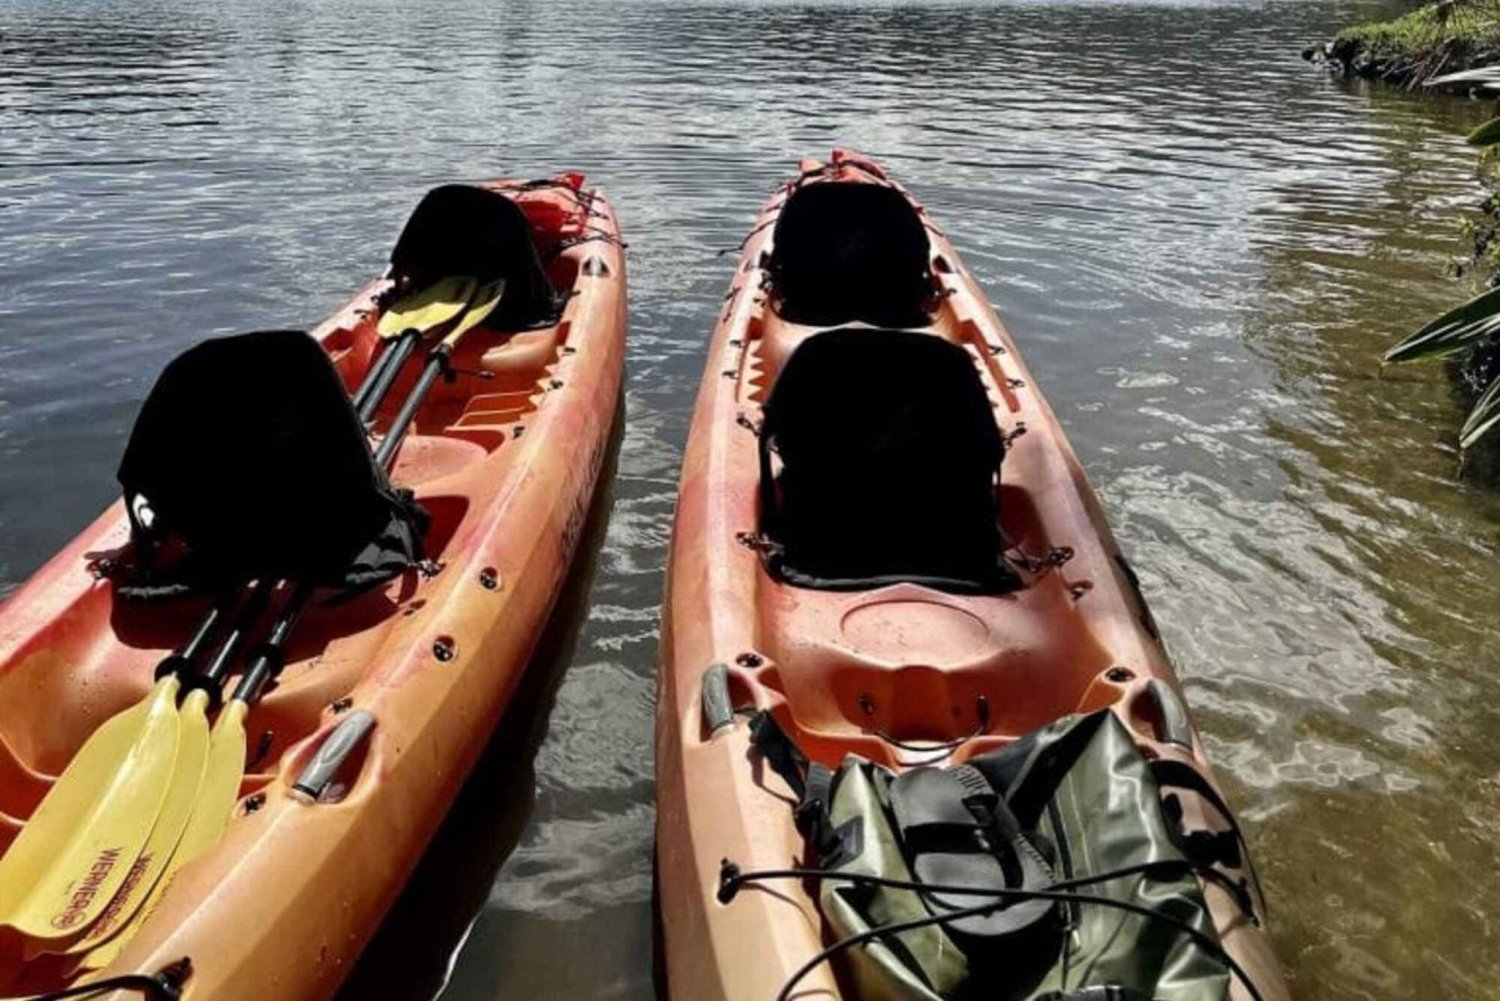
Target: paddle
x=486, y=299
x=215, y=789
x=216, y=786
x=81, y=843
x=182, y=789
x=401, y=327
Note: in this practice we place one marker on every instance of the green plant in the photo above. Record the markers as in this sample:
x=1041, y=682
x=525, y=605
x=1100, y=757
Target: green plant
x=1474, y=324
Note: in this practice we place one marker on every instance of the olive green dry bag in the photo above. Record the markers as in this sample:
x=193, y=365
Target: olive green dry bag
x=1039, y=825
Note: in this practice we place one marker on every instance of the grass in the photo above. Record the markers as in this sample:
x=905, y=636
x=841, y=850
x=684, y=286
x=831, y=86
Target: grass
x=1460, y=27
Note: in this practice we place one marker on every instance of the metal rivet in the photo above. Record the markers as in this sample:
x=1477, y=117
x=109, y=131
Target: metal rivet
x=443, y=649
x=557, y=384
x=749, y=660
x=520, y=430
x=342, y=705
x=570, y=350
x=489, y=579
x=255, y=802
x=1080, y=588
x=867, y=705
x=1120, y=675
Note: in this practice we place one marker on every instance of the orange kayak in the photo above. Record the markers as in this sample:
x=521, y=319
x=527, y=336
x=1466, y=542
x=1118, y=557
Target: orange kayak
x=505, y=457
x=881, y=620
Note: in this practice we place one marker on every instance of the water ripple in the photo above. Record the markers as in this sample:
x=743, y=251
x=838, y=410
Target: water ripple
x=1200, y=243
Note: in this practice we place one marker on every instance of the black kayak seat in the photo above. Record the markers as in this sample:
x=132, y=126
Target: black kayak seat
x=849, y=253
x=462, y=229
x=890, y=457
x=249, y=451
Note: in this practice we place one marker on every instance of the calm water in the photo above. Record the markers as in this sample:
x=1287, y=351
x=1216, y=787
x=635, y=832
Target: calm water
x=1200, y=243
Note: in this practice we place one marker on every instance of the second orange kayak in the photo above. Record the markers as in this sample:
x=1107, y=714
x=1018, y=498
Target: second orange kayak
x=893, y=604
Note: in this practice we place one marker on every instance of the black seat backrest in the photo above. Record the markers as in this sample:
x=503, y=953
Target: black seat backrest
x=459, y=229
x=890, y=454
x=249, y=451
x=846, y=253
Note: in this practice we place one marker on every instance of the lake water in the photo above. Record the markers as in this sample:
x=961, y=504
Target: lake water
x=1201, y=243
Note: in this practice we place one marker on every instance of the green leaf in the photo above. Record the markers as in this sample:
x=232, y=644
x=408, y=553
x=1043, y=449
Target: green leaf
x=1453, y=331
x=1481, y=74
x=1484, y=416
x=1487, y=134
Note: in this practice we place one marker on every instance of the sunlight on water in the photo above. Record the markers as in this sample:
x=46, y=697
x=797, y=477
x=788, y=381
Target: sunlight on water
x=1200, y=242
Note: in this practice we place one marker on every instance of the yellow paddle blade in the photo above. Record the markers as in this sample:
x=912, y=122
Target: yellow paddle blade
x=486, y=298
x=217, y=794
x=177, y=809
x=222, y=775
x=427, y=307
x=80, y=845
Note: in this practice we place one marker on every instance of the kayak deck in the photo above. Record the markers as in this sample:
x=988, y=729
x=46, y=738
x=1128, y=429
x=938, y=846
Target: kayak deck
x=504, y=457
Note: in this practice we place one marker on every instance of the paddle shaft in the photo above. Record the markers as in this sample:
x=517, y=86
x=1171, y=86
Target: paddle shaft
x=437, y=360
x=213, y=676
x=180, y=661
x=268, y=657
x=377, y=368
x=383, y=373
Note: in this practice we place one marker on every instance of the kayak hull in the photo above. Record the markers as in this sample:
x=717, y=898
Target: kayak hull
x=507, y=467
x=839, y=668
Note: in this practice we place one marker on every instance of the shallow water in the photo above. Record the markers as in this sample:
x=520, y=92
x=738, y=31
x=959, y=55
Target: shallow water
x=1200, y=242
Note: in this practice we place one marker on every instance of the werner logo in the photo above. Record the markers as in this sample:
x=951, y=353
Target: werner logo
x=87, y=889
x=111, y=914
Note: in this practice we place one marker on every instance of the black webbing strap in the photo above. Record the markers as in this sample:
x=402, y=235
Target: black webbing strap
x=778, y=750
x=812, y=814
x=811, y=781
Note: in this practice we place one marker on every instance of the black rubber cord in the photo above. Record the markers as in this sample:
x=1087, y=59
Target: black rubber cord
x=731, y=879
x=163, y=986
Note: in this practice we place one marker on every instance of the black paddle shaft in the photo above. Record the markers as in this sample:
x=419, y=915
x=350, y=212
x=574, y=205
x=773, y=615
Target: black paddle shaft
x=372, y=375
x=437, y=362
x=180, y=661
x=269, y=656
x=211, y=679
x=383, y=373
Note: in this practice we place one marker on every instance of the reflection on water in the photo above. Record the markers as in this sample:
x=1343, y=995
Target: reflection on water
x=411, y=956
x=1200, y=242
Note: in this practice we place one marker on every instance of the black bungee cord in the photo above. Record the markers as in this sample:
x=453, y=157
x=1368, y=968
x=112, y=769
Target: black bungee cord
x=731, y=879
